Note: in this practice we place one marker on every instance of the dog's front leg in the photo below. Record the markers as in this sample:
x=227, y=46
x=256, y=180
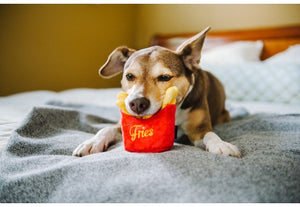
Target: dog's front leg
x=199, y=131
x=100, y=142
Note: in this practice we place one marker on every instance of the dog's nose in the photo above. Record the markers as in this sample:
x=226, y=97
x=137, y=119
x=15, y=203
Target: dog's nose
x=139, y=105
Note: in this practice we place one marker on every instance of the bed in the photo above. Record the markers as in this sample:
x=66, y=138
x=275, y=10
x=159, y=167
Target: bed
x=260, y=69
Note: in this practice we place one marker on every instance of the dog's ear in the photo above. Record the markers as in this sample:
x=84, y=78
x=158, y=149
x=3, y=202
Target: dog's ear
x=115, y=62
x=190, y=50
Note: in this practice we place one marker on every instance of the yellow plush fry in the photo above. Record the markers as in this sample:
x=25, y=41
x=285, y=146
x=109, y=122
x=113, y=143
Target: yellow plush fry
x=121, y=101
x=170, y=97
x=122, y=96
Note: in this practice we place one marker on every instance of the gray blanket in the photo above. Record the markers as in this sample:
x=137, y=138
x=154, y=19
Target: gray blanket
x=37, y=165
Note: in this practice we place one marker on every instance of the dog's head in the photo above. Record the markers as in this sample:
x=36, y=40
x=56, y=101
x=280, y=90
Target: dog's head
x=149, y=72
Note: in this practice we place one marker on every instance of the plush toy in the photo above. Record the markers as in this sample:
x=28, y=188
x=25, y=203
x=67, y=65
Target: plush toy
x=153, y=133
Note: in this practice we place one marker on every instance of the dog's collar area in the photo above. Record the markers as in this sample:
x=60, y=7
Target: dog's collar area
x=189, y=91
x=190, y=88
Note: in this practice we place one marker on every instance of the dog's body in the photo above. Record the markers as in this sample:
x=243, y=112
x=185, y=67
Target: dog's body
x=147, y=73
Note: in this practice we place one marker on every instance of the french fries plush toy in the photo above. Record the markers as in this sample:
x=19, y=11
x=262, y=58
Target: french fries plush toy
x=154, y=133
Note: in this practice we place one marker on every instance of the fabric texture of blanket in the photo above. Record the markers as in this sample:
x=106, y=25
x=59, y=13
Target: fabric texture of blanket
x=37, y=164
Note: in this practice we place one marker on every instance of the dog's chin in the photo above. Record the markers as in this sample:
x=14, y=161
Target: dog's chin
x=151, y=113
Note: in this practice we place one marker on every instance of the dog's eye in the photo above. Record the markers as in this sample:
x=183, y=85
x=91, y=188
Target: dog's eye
x=164, y=78
x=130, y=77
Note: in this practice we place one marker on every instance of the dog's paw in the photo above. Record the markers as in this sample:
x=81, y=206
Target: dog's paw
x=215, y=145
x=90, y=146
x=99, y=143
x=224, y=148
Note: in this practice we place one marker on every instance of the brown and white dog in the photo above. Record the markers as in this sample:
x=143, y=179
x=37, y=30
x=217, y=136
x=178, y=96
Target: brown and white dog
x=147, y=73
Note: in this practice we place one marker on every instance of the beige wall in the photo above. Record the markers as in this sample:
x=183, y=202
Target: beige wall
x=166, y=19
x=56, y=47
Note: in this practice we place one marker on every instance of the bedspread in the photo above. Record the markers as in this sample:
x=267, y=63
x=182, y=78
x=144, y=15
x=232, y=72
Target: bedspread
x=37, y=164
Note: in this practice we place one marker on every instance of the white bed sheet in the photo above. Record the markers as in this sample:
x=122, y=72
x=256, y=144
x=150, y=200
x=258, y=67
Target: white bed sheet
x=14, y=108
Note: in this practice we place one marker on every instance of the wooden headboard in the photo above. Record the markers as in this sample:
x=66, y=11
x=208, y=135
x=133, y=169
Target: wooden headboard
x=275, y=39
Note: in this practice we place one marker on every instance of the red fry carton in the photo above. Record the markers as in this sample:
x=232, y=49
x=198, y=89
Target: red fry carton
x=155, y=134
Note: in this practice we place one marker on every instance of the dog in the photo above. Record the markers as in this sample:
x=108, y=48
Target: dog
x=147, y=73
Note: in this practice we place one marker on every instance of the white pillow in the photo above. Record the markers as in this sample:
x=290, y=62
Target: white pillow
x=292, y=54
x=236, y=52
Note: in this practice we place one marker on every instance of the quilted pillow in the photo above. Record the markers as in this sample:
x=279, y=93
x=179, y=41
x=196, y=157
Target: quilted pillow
x=260, y=81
